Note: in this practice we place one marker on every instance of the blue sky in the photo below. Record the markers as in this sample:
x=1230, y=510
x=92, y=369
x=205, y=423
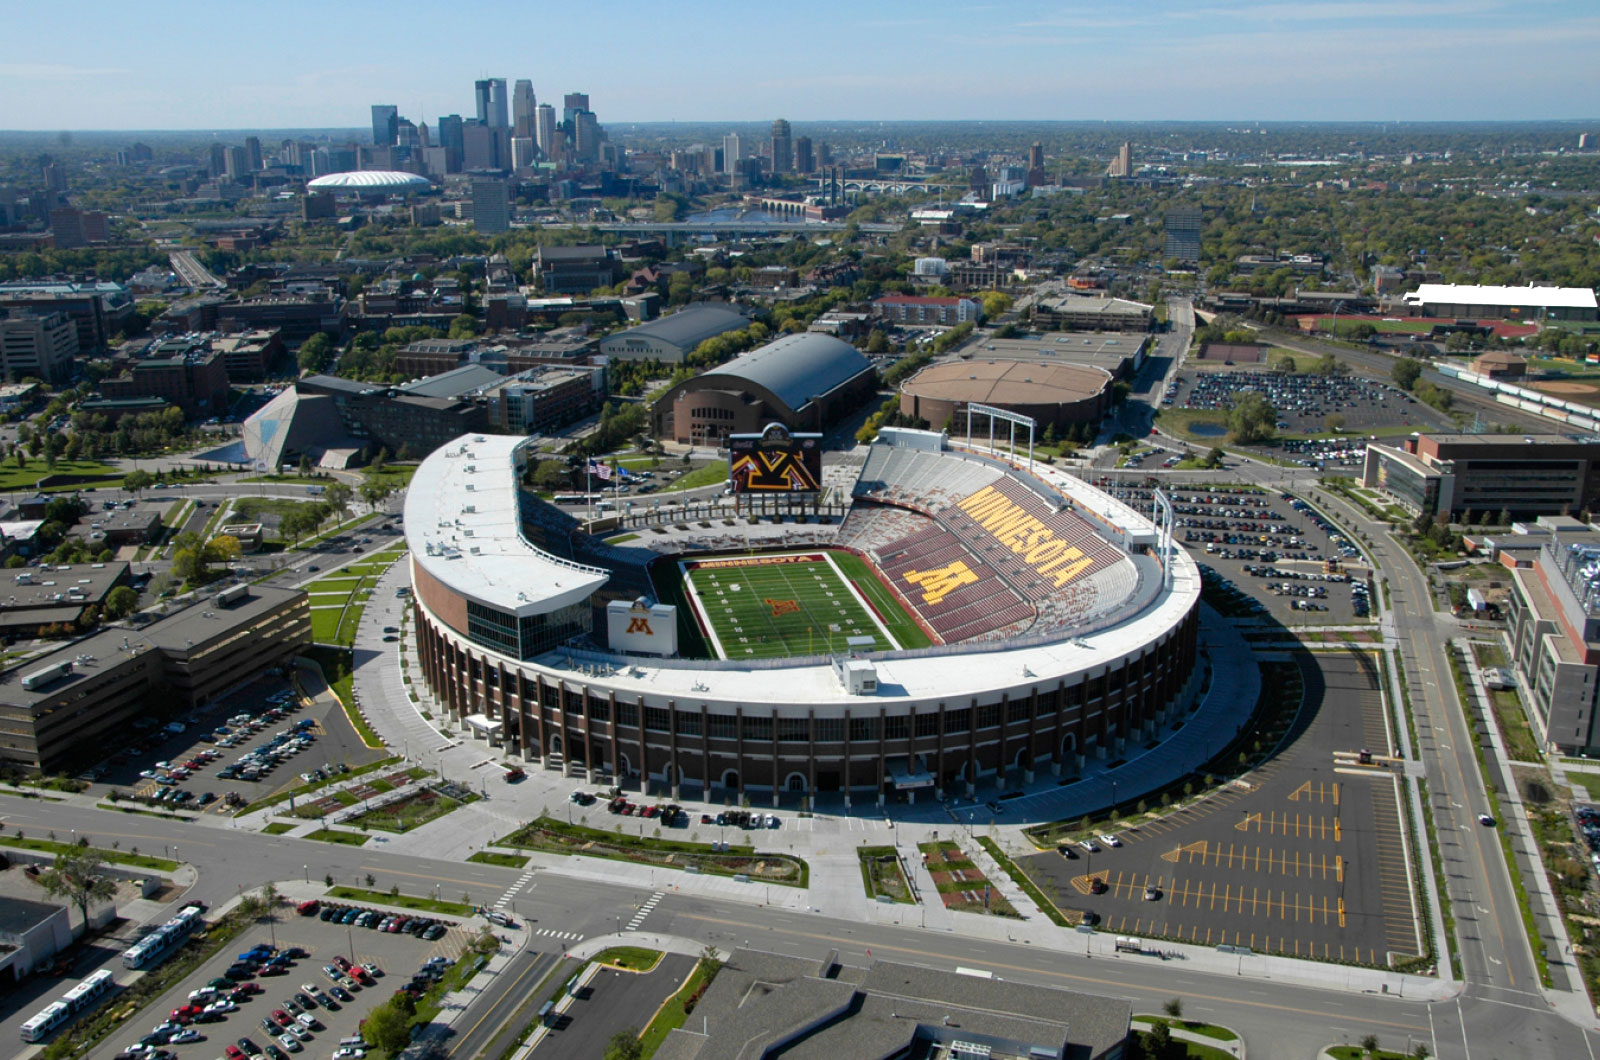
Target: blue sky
x=288, y=63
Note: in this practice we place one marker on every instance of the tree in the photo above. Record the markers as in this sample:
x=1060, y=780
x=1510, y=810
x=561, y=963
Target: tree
x=1284, y=364
x=877, y=342
x=379, y=461
x=76, y=877
x=625, y=1045
x=1173, y=1007
x=1334, y=421
x=1369, y=1043
x=388, y=1027
x=121, y=601
x=337, y=497
x=1214, y=457
x=1251, y=419
x=464, y=326
x=136, y=482
x=1405, y=373
x=1328, y=364
x=316, y=354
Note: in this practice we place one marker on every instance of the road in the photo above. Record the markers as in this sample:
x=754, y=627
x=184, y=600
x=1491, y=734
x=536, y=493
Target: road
x=191, y=272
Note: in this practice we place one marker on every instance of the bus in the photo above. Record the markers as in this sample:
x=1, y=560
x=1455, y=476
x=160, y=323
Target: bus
x=576, y=498
x=160, y=943
x=86, y=993
x=41, y=1025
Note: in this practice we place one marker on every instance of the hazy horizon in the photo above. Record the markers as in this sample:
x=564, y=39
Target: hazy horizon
x=298, y=65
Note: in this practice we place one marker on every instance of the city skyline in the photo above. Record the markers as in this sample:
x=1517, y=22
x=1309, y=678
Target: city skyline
x=1339, y=60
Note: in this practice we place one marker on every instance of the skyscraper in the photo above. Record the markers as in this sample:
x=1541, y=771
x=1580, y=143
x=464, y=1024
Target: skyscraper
x=544, y=129
x=805, y=160
x=449, y=129
x=571, y=103
x=1183, y=234
x=731, y=154
x=252, y=148
x=1122, y=165
x=477, y=147
x=491, y=205
x=489, y=96
x=236, y=163
x=522, y=104
x=1036, y=155
x=585, y=136
x=522, y=152
x=217, y=164
x=383, y=121
x=782, y=147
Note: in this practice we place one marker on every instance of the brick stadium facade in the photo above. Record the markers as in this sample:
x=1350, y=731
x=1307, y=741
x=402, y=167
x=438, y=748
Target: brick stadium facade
x=963, y=711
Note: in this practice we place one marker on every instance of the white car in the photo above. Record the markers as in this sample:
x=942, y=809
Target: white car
x=290, y=1043
x=1110, y=840
x=188, y=1034
x=371, y=969
x=1091, y=846
x=222, y=1006
x=349, y=1053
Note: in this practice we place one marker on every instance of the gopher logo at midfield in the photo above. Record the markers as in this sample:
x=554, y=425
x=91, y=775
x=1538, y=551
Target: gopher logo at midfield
x=782, y=607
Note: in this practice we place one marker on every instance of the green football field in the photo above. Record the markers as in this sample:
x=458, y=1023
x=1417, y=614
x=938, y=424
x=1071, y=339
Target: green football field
x=766, y=606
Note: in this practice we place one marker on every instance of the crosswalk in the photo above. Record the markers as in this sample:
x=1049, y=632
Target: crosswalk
x=567, y=935
x=644, y=910
x=511, y=892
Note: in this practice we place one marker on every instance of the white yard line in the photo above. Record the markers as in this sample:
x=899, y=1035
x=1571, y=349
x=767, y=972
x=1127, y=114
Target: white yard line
x=862, y=600
x=708, y=627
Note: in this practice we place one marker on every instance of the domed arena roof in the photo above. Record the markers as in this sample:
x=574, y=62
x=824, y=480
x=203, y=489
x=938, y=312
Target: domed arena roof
x=370, y=180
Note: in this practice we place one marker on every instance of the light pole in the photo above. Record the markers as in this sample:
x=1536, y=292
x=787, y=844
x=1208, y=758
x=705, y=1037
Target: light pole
x=305, y=870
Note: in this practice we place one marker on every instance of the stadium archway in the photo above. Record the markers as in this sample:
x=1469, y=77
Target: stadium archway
x=730, y=779
x=797, y=784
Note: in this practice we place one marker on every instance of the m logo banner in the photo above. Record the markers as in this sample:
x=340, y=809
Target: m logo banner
x=941, y=582
x=640, y=625
x=782, y=607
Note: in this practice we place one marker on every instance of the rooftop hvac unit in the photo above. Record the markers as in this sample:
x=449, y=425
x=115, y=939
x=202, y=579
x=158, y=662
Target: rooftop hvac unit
x=233, y=595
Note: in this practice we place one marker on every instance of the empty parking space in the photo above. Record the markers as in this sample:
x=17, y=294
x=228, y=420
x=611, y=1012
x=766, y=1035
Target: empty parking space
x=1305, y=857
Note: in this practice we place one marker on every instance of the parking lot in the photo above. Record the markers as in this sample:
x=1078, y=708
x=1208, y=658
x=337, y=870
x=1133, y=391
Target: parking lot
x=254, y=715
x=615, y=1001
x=1304, y=400
x=292, y=991
x=1307, y=859
x=1269, y=553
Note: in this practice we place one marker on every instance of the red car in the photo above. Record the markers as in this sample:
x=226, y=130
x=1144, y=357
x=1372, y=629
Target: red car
x=307, y=908
x=281, y=1018
x=233, y=1052
x=342, y=963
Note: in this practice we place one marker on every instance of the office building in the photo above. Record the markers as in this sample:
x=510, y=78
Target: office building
x=805, y=160
x=545, y=398
x=493, y=104
x=85, y=697
x=523, y=152
x=72, y=227
x=477, y=147
x=449, y=130
x=918, y=309
x=491, y=205
x=571, y=103
x=1122, y=165
x=40, y=345
x=252, y=150
x=585, y=137
x=217, y=160
x=236, y=164
x=384, y=117
x=1450, y=475
x=522, y=108
x=782, y=147
x=247, y=356
x=731, y=153
x=544, y=129
x=189, y=375
x=1183, y=234
x=574, y=270
x=1080, y=312
x=99, y=310
x=32, y=600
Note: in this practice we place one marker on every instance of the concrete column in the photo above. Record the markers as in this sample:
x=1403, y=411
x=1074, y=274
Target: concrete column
x=672, y=749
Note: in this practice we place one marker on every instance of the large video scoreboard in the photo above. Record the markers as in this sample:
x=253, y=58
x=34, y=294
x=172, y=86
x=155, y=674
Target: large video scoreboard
x=777, y=460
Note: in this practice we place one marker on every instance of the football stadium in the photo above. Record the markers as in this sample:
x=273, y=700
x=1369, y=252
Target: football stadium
x=914, y=619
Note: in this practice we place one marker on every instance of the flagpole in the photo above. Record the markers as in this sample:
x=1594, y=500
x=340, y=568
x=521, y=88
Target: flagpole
x=588, y=485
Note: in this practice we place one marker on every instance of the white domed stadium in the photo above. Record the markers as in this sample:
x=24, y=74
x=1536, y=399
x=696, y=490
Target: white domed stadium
x=385, y=181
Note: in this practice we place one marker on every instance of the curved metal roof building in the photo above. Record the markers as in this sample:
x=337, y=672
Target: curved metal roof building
x=384, y=180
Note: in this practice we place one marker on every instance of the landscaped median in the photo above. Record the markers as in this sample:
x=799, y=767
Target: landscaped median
x=962, y=885
x=114, y=857
x=402, y=901
x=557, y=837
x=302, y=790
x=882, y=875
x=1022, y=880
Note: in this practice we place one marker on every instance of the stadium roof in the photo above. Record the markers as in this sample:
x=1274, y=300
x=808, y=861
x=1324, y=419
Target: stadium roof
x=690, y=326
x=1524, y=297
x=797, y=367
x=462, y=522
x=370, y=180
x=1007, y=383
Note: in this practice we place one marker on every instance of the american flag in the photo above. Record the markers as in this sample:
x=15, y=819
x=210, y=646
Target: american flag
x=600, y=470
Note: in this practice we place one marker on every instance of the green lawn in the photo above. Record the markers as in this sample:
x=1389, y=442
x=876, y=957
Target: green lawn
x=1589, y=782
x=329, y=835
x=278, y=828
x=709, y=475
x=671, y=1015
x=505, y=861
x=402, y=901
x=120, y=857
x=901, y=625
x=13, y=477
x=410, y=812
x=629, y=958
x=774, y=606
